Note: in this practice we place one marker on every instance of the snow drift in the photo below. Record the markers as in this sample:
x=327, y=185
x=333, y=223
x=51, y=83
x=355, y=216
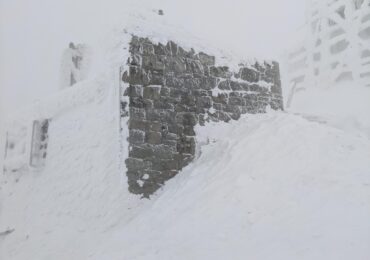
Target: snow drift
x=273, y=186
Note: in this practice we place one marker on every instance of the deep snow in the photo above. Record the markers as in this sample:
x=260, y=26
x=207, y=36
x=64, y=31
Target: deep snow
x=272, y=186
x=345, y=106
x=275, y=186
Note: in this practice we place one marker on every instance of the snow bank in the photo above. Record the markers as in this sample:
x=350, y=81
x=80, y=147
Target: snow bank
x=62, y=211
x=272, y=186
x=344, y=106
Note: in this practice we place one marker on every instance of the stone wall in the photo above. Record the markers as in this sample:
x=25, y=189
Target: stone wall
x=170, y=91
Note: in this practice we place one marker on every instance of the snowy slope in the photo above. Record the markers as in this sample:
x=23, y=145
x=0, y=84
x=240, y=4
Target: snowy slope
x=80, y=194
x=345, y=106
x=274, y=186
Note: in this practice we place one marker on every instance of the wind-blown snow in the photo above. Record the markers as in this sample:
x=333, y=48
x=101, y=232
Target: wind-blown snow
x=345, y=106
x=62, y=211
x=273, y=186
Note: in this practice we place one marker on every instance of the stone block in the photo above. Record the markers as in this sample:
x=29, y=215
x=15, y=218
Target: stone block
x=182, y=108
x=161, y=115
x=221, y=99
x=190, y=54
x=125, y=77
x=186, y=145
x=133, y=175
x=134, y=164
x=208, y=83
x=165, y=165
x=250, y=99
x=156, y=78
x=218, y=107
x=235, y=86
x=136, y=136
x=160, y=49
x=171, y=136
x=152, y=92
x=153, y=137
x=235, y=116
x=135, y=45
x=170, y=143
x=220, y=72
x=200, y=93
x=135, y=91
x=255, y=88
x=202, y=119
x=174, y=82
x=224, y=85
x=138, y=76
x=188, y=100
x=249, y=74
x=148, y=49
x=222, y=116
x=141, y=152
x=137, y=113
x=236, y=101
x=176, y=64
x=192, y=83
x=189, y=130
x=179, y=92
x=137, y=102
x=194, y=66
x=204, y=102
x=206, y=59
x=186, y=119
x=163, y=152
x=137, y=124
x=156, y=126
x=165, y=91
x=153, y=62
x=172, y=47
x=236, y=94
x=245, y=87
x=175, y=128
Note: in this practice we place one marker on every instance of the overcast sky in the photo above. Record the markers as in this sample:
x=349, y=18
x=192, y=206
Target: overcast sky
x=33, y=33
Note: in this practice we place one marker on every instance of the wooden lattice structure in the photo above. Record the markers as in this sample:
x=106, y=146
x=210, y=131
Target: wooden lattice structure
x=336, y=46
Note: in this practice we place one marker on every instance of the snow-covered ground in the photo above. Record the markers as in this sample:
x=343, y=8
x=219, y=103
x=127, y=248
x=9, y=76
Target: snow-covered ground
x=283, y=185
x=79, y=193
x=345, y=106
x=274, y=186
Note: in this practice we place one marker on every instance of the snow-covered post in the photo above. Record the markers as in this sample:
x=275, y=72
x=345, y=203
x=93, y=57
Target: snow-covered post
x=75, y=65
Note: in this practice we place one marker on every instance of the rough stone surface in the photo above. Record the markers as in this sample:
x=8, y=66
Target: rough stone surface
x=172, y=90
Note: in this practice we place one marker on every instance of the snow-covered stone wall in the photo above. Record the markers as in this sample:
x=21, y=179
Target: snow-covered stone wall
x=170, y=91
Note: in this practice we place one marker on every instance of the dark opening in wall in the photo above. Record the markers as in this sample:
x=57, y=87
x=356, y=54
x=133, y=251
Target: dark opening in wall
x=39, y=143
